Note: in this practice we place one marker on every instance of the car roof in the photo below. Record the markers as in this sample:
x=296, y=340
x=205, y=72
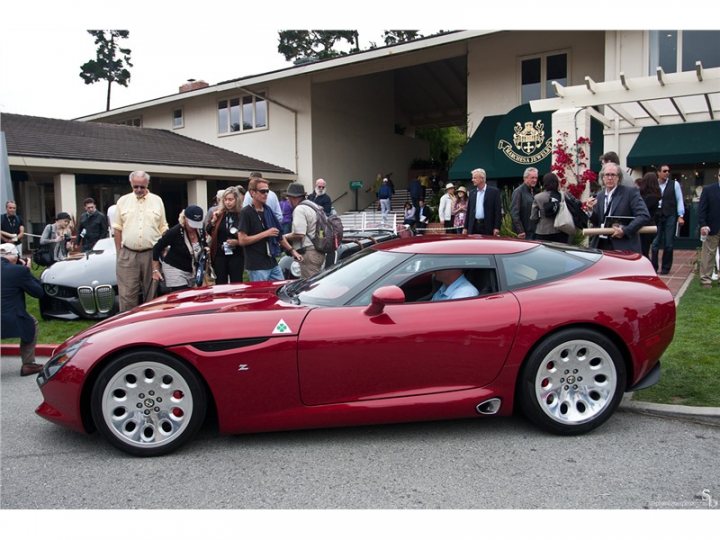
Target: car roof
x=448, y=244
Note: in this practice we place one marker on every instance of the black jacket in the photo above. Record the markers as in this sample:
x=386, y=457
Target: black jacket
x=493, y=212
x=178, y=255
x=92, y=228
x=15, y=281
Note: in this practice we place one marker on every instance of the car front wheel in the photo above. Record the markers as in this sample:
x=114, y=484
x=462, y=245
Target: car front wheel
x=148, y=403
x=572, y=382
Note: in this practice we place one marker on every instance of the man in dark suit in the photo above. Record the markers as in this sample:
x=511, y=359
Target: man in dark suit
x=15, y=281
x=484, y=212
x=621, y=201
x=709, y=221
x=422, y=217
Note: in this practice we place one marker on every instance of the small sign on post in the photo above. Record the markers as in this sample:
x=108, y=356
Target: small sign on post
x=356, y=186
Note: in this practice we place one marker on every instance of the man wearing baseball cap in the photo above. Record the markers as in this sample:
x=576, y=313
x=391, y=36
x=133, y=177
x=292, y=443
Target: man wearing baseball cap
x=15, y=281
x=304, y=227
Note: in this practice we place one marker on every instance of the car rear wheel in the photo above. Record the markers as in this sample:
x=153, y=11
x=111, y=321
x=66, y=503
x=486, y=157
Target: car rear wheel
x=572, y=382
x=148, y=403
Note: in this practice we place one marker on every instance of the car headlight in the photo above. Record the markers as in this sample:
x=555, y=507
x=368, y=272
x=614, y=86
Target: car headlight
x=51, y=289
x=56, y=363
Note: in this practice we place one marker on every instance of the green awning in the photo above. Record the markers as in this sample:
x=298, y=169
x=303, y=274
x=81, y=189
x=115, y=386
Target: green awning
x=477, y=152
x=678, y=144
x=505, y=145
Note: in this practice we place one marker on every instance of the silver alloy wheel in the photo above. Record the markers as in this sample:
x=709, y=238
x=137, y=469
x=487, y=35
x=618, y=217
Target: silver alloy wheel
x=576, y=382
x=147, y=404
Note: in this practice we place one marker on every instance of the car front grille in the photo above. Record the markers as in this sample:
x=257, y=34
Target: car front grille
x=100, y=299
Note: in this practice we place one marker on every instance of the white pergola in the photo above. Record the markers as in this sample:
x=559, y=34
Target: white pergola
x=662, y=99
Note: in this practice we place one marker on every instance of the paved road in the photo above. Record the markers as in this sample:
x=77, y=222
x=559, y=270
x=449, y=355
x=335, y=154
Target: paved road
x=634, y=461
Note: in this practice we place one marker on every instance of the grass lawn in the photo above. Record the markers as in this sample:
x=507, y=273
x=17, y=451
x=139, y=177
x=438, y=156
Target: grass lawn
x=691, y=365
x=51, y=332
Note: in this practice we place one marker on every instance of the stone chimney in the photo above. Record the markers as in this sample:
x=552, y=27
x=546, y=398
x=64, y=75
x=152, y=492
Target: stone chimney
x=192, y=84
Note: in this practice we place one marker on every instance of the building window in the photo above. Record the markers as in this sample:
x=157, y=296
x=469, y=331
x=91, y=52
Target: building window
x=538, y=72
x=678, y=50
x=135, y=122
x=177, y=119
x=242, y=114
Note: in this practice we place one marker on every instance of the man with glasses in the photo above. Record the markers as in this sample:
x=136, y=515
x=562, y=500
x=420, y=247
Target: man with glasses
x=12, y=226
x=138, y=222
x=259, y=235
x=620, y=201
x=709, y=221
x=671, y=210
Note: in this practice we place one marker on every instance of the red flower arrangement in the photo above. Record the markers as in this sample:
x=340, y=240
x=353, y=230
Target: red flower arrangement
x=570, y=164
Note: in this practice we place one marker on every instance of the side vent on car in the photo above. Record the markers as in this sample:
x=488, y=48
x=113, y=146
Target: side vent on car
x=215, y=346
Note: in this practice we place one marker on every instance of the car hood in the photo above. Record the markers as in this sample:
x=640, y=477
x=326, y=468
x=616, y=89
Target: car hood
x=222, y=312
x=93, y=268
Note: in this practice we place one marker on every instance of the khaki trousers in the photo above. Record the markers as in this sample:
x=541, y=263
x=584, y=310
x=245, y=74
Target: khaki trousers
x=707, y=260
x=27, y=349
x=312, y=263
x=134, y=277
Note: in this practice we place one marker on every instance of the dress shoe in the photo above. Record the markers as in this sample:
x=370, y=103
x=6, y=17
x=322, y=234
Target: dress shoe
x=30, y=369
x=664, y=272
x=706, y=285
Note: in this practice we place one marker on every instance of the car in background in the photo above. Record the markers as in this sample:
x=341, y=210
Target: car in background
x=558, y=332
x=352, y=242
x=83, y=286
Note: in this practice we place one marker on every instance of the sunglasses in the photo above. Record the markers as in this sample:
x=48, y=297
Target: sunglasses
x=263, y=191
x=139, y=187
x=665, y=170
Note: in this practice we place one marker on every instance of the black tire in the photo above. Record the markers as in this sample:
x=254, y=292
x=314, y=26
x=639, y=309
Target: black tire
x=572, y=382
x=148, y=403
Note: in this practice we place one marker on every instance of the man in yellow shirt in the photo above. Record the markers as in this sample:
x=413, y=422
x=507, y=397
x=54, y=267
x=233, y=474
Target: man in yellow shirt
x=139, y=222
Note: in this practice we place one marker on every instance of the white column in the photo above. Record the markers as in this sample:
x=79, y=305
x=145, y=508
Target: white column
x=197, y=193
x=65, y=196
x=576, y=123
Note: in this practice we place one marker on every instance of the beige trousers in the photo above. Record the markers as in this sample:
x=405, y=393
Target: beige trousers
x=134, y=277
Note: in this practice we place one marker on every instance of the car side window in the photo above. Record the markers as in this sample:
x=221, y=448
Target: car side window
x=415, y=276
x=542, y=263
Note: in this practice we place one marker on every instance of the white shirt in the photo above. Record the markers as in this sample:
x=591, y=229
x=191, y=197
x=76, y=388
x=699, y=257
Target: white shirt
x=480, y=204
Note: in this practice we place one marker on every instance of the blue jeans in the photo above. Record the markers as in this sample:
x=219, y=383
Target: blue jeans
x=664, y=240
x=272, y=274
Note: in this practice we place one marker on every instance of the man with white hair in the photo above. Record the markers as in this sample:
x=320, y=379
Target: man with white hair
x=320, y=196
x=138, y=223
x=15, y=281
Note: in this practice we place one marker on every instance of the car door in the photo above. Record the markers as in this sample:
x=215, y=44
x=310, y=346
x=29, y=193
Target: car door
x=417, y=348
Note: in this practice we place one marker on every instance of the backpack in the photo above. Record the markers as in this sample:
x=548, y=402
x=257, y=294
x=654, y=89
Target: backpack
x=328, y=230
x=43, y=256
x=550, y=208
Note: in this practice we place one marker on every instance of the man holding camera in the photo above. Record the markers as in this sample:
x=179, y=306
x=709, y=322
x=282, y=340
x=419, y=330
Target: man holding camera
x=15, y=281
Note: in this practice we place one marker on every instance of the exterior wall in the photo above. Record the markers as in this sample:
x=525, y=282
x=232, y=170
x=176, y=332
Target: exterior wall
x=494, y=66
x=353, y=137
x=275, y=145
x=627, y=52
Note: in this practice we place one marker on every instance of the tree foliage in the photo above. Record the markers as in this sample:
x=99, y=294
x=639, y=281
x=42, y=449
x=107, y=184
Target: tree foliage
x=446, y=143
x=108, y=66
x=315, y=44
x=392, y=37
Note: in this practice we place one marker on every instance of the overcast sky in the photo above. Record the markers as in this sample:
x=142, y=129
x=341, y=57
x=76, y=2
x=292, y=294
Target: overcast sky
x=43, y=43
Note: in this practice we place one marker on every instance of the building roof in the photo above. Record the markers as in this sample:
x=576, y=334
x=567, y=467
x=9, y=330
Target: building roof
x=371, y=55
x=36, y=137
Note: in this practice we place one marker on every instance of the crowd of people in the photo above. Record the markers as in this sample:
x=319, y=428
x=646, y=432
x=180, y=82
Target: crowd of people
x=246, y=230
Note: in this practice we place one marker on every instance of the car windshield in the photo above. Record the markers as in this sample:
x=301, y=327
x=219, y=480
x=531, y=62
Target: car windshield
x=338, y=284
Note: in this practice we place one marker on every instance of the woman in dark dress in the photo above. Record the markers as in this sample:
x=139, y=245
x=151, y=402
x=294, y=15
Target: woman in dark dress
x=228, y=259
x=650, y=193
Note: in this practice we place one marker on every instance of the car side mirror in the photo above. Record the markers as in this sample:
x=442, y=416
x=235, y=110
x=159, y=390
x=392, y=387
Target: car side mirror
x=391, y=294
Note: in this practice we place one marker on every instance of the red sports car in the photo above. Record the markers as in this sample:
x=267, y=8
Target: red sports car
x=558, y=331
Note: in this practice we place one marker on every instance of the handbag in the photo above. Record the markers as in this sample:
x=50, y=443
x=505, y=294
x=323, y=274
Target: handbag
x=564, y=221
x=43, y=255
